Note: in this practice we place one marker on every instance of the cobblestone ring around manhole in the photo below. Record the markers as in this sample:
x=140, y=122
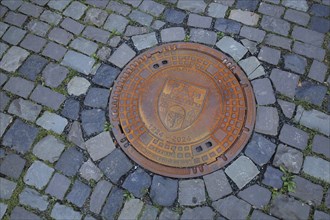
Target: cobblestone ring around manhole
x=182, y=110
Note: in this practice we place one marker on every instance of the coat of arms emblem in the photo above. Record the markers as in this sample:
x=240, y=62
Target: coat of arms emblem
x=180, y=104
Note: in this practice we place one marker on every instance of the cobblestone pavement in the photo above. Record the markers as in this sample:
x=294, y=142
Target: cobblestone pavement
x=59, y=59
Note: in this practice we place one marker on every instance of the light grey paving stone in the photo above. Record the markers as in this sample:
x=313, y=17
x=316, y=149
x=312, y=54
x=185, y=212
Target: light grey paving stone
x=3, y=11
x=288, y=108
x=309, y=51
x=149, y=212
x=284, y=82
x=318, y=71
x=89, y=217
x=13, y=59
x=30, y=9
x=33, y=42
x=258, y=215
x=72, y=26
x=85, y=46
x=78, y=86
x=97, y=97
x=197, y=6
x=79, y=193
x=78, y=61
x=134, y=3
x=60, y=36
x=3, y=209
x=99, y=195
x=168, y=214
x=120, y=8
x=250, y=45
x=89, y=171
x=51, y=17
x=298, y=5
x=134, y=30
x=288, y=157
x=317, y=167
x=13, y=35
x=307, y=191
x=152, y=7
x=320, y=145
x=172, y=34
x=137, y=183
x=269, y=55
x=54, y=74
x=263, y=91
x=96, y=16
x=12, y=5
x=163, y=190
x=3, y=48
x=217, y=10
x=122, y=55
x=285, y=207
x=313, y=119
x=100, y=146
x=12, y=166
x=5, y=121
x=49, y=148
x=96, y=3
x=199, y=21
x=58, y=5
x=141, y=18
x=58, y=186
x=7, y=188
x=245, y=17
x=272, y=10
x=203, y=36
x=297, y=17
x=48, y=97
x=198, y=213
x=20, y=213
x=267, y=120
x=25, y=109
x=53, y=122
x=275, y=25
x=318, y=215
x=38, y=175
x=38, y=27
x=3, y=78
x=174, y=16
x=295, y=63
x=96, y=34
x=19, y=86
x=249, y=64
x=308, y=36
x=256, y=195
x=294, y=137
x=228, y=208
x=278, y=41
x=32, y=198
x=104, y=52
x=116, y=23
x=16, y=19
x=145, y=41
x=158, y=24
x=75, y=10
x=253, y=34
x=232, y=47
x=191, y=192
x=217, y=185
x=242, y=171
x=3, y=28
x=131, y=209
x=75, y=135
x=54, y=51
x=60, y=212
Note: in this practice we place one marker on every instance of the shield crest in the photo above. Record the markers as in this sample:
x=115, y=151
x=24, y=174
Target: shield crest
x=180, y=104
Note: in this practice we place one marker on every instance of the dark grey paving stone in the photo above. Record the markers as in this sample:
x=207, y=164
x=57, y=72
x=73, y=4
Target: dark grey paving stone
x=3, y=11
x=256, y=195
x=30, y=9
x=267, y=120
x=105, y=75
x=321, y=145
x=16, y=19
x=228, y=208
x=58, y=5
x=317, y=167
x=38, y=175
x=113, y=204
x=20, y=213
x=308, y=36
x=311, y=92
x=70, y=162
x=24, y=109
x=60, y=36
x=5, y=121
x=269, y=55
x=320, y=10
x=271, y=10
x=72, y=26
x=288, y=157
x=75, y=10
x=99, y=196
x=54, y=74
x=20, y=136
x=199, y=21
x=227, y=26
x=217, y=185
x=295, y=63
x=300, y=5
x=327, y=199
x=247, y=5
x=33, y=42
x=260, y=150
x=134, y=3
x=116, y=23
x=198, y=213
x=49, y=148
x=168, y=214
x=288, y=108
x=3, y=28
x=137, y=183
x=258, y=215
x=32, y=67
x=115, y=165
x=92, y=121
x=297, y=17
x=318, y=215
x=294, y=137
x=275, y=25
x=191, y=192
x=38, y=27
x=96, y=16
x=32, y=198
x=318, y=71
x=4, y=100
x=51, y=17
x=71, y=109
x=13, y=35
x=263, y=91
x=97, y=98
x=149, y=212
x=309, y=51
x=119, y=8
x=289, y=208
x=163, y=190
x=307, y=191
x=48, y=97
x=19, y=86
x=197, y=6
x=152, y=8
x=321, y=25
x=174, y=16
x=64, y=212
x=12, y=166
x=3, y=48
x=3, y=78
x=79, y=193
x=3, y=207
x=54, y=51
x=12, y=5
x=96, y=34
x=253, y=34
x=75, y=135
x=85, y=46
x=7, y=188
x=273, y=178
x=141, y=18
x=203, y=36
x=284, y=82
x=58, y=186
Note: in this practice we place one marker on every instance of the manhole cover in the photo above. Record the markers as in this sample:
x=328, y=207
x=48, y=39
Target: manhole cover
x=182, y=110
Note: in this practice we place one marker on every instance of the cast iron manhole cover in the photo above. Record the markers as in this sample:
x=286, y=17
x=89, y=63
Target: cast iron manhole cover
x=182, y=110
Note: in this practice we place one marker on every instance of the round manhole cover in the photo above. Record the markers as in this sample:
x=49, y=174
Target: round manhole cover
x=182, y=110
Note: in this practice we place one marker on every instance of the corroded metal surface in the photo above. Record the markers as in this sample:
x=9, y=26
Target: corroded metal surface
x=182, y=110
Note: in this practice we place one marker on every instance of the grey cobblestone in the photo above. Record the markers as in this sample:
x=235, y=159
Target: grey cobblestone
x=267, y=120
x=141, y=18
x=50, y=17
x=16, y=19
x=309, y=51
x=317, y=71
x=227, y=26
x=32, y=198
x=228, y=207
x=145, y=41
x=25, y=109
x=72, y=26
x=99, y=196
x=285, y=207
x=122, y=55
x=203, y=36
x=276, y=25
x=152, y=7
x=197, y=6
x=58, y=186
x=30, y=9
x=288, y=157
x=245, y=17
x=232, y=47
x=38, y=27
x=253, y=34
x=12, y=166
x=119, y=8
x=297, y=17
x=317, y=168
x=96, y=34
x=217, y=10
x=19, y=86
x=199, y=21
x=54, y=51
x=271, y=10
x=33, y=42
x=38, y=175
x=46, y=96
x=278, y=41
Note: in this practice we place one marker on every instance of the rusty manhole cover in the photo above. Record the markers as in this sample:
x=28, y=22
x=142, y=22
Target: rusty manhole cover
x=182, y=110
